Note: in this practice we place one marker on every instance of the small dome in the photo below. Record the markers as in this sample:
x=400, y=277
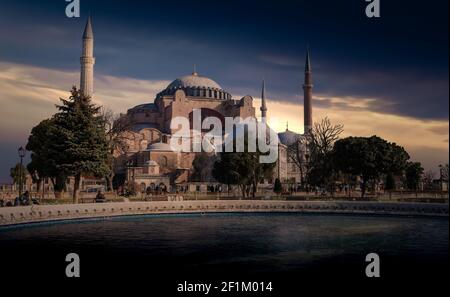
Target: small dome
x=160, y=146
x=288, y=137
x=194, y=80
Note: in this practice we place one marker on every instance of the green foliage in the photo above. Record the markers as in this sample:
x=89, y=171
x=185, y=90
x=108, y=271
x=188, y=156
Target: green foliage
x=413, y=174
x=234, y=169
x=82, y=131
x=277, y=187
x=243, y=169
x=390, y=182
x=368, y=157
x=72, y=143
x=45, y=146
x=15, y=173
x=202, y=167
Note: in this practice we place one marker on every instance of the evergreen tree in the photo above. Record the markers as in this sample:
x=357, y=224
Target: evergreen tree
x=84, y=148
x=278, y=187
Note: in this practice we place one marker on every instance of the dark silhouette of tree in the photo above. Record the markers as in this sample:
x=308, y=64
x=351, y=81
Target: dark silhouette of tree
x=202, y=167
x=413, y=175
x=369, y=158
x=277, y=187
x=243, y=169
x=390, y=182
x=116, y=127
x=320, y=142
x=14, y=173
x=45, y=146
x=428, y=180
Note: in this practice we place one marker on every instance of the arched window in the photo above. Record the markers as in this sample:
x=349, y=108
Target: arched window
x=143, y=187
x=163, y=161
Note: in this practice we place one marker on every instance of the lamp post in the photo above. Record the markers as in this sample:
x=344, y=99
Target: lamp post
x=21, y=152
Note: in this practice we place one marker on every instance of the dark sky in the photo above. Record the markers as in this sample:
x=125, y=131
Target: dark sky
x=400, y=58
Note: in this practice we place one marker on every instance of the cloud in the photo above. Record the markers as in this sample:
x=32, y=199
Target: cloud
x=423, y=139
x=29, y=94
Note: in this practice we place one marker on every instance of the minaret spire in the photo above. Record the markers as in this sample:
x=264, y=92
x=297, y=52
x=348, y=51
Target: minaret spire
x=308, y=60
x=87, y=61
x=263, y=101
x=307, y=94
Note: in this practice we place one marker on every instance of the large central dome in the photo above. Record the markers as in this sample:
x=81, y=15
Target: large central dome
x=196, y=87
x=192, y=81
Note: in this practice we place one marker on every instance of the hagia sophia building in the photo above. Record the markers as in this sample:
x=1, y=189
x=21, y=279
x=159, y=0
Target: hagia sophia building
x=150, y=161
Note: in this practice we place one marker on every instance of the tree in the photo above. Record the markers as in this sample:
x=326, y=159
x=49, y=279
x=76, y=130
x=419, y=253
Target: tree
x=320, y=142
x=116, y=127
x=84, y=148
x=232, y=169
x=277, y=187
x=413, y=175
x=15, y=174
x=242, y=168
x=397, y=159
x=428, y=180
x=45, y=146
x=202, y=167
x=369, y=158
x=390, y=182
x=297, y=153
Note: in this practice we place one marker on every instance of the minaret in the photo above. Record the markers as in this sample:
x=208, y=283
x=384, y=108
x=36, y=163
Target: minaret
x=307, y=95
x=87, y=61
x=263, y=107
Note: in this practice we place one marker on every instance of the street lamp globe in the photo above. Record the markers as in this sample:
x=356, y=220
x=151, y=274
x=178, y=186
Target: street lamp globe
x=22, y=152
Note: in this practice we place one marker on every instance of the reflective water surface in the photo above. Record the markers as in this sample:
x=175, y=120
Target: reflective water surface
x=235, y=245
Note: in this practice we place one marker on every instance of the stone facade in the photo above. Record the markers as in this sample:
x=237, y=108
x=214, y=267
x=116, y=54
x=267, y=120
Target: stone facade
x=148, y=159
x=149, y=136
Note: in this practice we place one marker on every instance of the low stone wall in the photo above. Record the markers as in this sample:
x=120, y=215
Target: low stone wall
x=42, y=213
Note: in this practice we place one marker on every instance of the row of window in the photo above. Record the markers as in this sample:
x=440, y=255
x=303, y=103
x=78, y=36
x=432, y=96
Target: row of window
x=200, y=92
x=207, y=93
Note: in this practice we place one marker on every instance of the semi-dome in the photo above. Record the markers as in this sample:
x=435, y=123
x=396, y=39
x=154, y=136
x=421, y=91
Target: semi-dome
x=160, y=146
x=192, y=81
